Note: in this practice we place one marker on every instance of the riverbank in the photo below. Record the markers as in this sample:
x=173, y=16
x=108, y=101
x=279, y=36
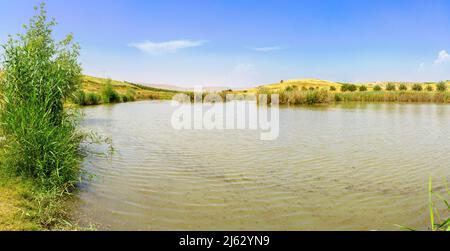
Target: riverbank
x=15, y=205
x=321, y=96
x=25, y=207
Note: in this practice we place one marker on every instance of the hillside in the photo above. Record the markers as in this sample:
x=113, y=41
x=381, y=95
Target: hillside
x=324, y=84
x=95, y=85
x=300, y=83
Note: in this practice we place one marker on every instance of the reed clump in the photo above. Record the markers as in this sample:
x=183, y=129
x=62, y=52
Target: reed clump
x=301, y=97
x=83, y=98
x=41, y=137
x=110, y=95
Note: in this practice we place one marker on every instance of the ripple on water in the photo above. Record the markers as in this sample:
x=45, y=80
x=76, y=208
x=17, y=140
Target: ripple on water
x=345, y=167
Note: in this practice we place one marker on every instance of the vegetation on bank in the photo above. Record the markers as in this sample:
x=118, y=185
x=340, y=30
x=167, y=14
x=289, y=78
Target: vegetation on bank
x=439, y=219
x=323, y=96
x=438, y=222
x=40, y=136
x=95, y=91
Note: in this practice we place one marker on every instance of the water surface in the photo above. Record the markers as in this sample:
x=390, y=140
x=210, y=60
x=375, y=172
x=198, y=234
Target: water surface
x=340, y=167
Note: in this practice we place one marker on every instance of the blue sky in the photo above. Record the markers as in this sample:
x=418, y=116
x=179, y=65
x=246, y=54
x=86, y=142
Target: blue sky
x=243, y=43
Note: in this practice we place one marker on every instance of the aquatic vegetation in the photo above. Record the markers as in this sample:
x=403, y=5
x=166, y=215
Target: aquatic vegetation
x=437, y=223
x=79, y=98
x=92, y=99
x=129, y=96
x=109, y=94
x=301, y=97
x=41, y=136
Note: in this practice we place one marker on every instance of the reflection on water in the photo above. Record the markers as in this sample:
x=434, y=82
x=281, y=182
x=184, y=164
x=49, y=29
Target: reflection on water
x=342, y=167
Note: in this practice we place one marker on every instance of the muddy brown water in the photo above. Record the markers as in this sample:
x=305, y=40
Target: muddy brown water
x=338, y=167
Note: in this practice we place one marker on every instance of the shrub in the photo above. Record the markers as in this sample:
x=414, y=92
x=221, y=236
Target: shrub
x=403, y=87
x=429, y=88
x=348, y=87
x=332, y=88
x=124, y=98
x=42, y=142
x=390, y=87
x=344, y=87
x=109, y=94
x=377, y=88
x=417, y=87
x=129, y=96
x=79, y=98
x=92, y=99
x=441, y=86
x=289, y=89
x=363, y=88
x=304, y=88
x=312, y=89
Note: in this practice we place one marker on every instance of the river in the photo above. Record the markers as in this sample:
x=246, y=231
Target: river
x=336, y=167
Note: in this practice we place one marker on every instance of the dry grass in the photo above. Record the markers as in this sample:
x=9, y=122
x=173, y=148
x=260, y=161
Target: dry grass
x=95, y=85
x=14, y=204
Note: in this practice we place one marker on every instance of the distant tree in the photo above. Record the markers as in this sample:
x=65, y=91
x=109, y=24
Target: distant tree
x=332, y=88
x=402, y=87
x=363, y=88
x=441, y=86
x=352, y=88
x=377, y=88
x=429, y=88
x=417, y=87
x=348, y=87
x=390, y=87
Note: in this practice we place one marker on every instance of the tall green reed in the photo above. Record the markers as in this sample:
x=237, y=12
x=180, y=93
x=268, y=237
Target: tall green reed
x=41, y=136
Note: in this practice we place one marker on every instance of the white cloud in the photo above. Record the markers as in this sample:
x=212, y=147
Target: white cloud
x=442, y=57
x=173, y=46
x=265, y=49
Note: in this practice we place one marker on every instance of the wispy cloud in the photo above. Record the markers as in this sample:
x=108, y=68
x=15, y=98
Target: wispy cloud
x=266, y=49
x=244, y=68
x=443, y=57
x=158, y=48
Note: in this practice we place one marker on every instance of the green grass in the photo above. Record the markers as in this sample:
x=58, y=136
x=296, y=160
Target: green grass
x=437, y=222
x=113, y=91
x=301, y=97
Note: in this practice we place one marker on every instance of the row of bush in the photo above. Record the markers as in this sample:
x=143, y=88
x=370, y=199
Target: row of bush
x=108, y=95
x=441, y=87
x=299, y=97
